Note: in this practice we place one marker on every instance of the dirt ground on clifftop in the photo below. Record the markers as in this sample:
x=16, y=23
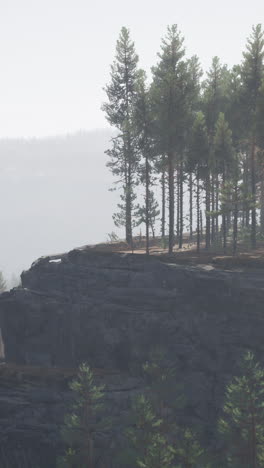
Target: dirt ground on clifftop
x=244, y=259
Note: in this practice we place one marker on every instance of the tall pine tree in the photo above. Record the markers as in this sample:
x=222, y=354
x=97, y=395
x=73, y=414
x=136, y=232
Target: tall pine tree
x=198, y=160
x=170, y=91
x=121, y=93
x=223, y=151
x=252, y=76
x=143, y=124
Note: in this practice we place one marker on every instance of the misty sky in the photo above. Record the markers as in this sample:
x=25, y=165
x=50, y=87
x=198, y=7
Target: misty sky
x=55, y=54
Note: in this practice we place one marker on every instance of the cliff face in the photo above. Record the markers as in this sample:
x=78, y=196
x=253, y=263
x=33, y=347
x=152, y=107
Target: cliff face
x=112, y=310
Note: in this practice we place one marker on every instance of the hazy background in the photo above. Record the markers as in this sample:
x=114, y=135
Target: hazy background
x=54, y=196
x=54, y=61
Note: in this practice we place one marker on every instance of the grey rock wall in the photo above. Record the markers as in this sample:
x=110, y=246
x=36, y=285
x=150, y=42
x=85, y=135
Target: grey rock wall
x=113, y=309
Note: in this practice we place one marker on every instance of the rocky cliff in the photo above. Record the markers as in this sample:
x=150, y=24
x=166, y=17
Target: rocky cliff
x=112, y=310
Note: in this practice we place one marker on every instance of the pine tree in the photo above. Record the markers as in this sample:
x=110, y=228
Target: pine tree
x=260, y=118
x=161, y=166
x=242, y=423
x=148, y=217
x=82, y=424
x=152, y=450
x=260, y=144
x=234, y=107
x=236, y=200
x=239, y=193
x=198, y=161
x=214, y=94
x=162, y=388
x=119, y=110
x=252, y=75
x=143, y=123
x=213, y=102
x=188, y=451
x=195, y=74
x=223, y=151
x=170, y=93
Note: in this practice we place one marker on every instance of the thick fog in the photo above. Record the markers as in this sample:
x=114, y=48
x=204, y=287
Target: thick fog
x=54, y=196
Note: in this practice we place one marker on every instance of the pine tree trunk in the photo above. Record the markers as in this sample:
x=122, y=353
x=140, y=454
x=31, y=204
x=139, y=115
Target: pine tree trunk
x=224, y=217
x=217, y=206
x=181, y=205
x=253, y=192
x=128, y=215
x=201, y=228
x=163, y=195
x=228, y=220
x=235, y=220
x=262, y=202
x=247, y=217
x=171, y=200
x=147, y=204
x=246, y=184
x=91, y=456
x=253, y=438
x=129, y=195
x=191, y=206
x=177, y=179
x=198, y=214
x=207, y=209
x=213, y=210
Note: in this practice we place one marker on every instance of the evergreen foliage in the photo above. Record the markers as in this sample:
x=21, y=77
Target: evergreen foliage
x=198, y=161
x=143, y=117
x=242, y=423
x=84, y=422
x=157, y=124
x=155, y=438
x=252, y=72
x=151, y=447
x=119, y=109
x=171, y=94
x=188, y=451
